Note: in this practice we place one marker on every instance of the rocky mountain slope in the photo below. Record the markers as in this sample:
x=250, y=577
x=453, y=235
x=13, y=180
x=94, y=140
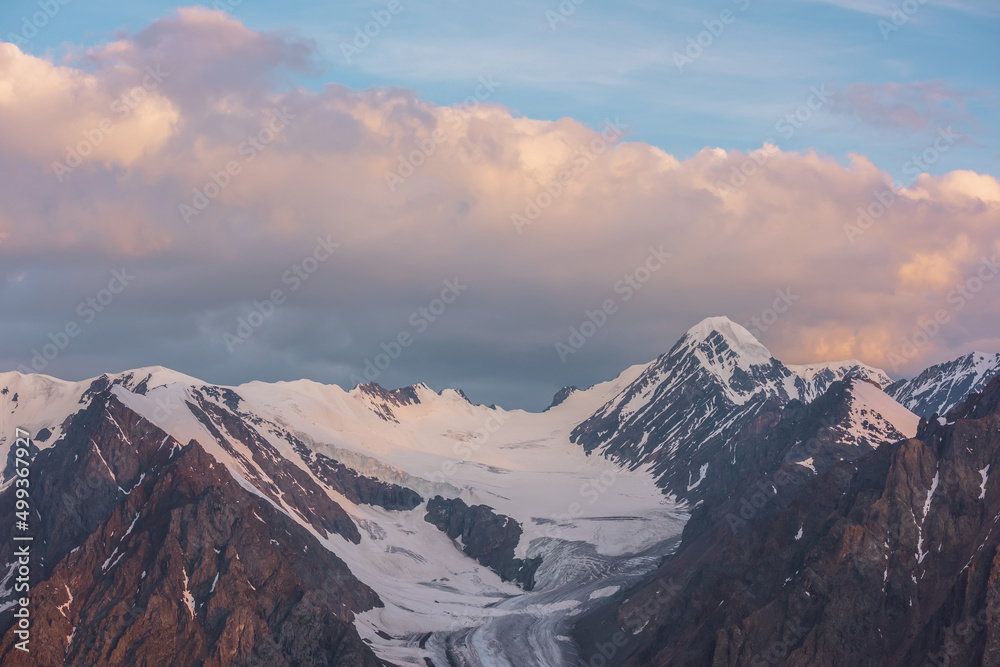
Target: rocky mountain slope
x=941, y=387
x=149, y=552
x=797, y=443
x=687, y=407
x=890, y=559
x=299, y=523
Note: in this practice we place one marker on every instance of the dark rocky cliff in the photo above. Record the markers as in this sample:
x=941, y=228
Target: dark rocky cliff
x=488, y=537
x=154, y=555
x=890, y=559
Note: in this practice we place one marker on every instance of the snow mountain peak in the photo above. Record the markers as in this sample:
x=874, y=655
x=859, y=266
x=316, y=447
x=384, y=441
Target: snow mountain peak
x=396, y=491
x=735, y=335
x=691, y=403
x=941, y=387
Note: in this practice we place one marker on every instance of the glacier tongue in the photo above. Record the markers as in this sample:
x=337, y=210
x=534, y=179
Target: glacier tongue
x=594, y=523
x=665, y=430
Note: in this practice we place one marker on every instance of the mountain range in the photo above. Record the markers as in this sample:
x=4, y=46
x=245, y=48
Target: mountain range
x=710, y=507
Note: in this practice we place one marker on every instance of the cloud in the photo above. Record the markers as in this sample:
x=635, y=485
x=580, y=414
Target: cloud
x=886, y=7
x=416, y=194
x=54, y=109
x=906, y=107
x=937, y=270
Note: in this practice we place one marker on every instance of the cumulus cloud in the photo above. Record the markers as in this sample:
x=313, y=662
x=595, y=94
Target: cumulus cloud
x=49, y=111
x=224, y=178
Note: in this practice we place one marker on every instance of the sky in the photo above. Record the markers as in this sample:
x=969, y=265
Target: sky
x=458, y=196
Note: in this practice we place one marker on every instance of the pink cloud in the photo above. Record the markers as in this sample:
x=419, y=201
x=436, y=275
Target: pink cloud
x=328, y=170
x=908, y=107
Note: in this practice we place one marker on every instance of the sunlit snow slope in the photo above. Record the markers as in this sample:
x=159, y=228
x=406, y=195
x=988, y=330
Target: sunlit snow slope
x=521, y=465
x=483, y=531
